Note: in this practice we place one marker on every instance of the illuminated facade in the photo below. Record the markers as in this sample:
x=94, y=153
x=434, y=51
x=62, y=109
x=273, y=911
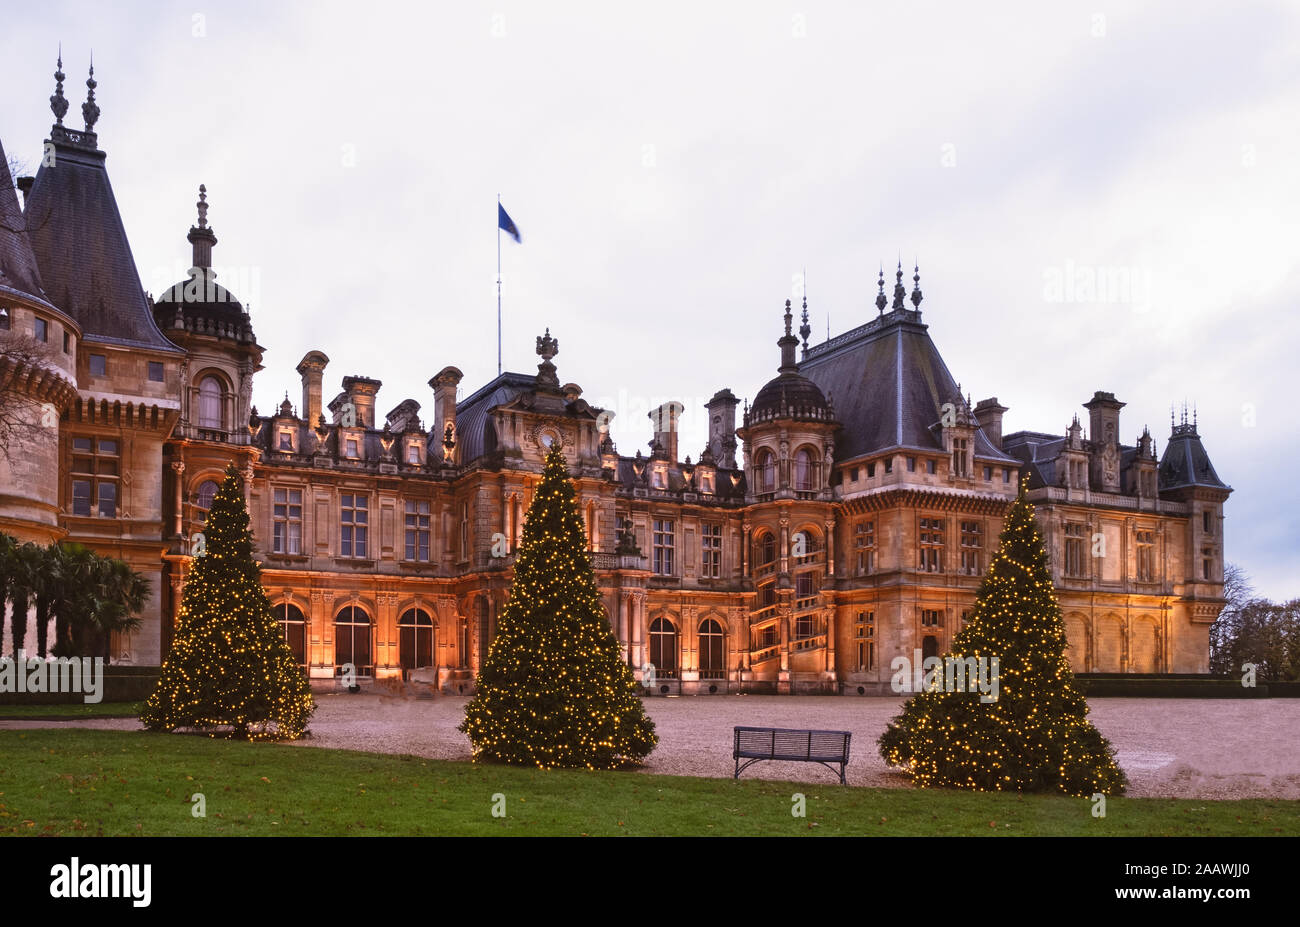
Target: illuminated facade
x=843, y=518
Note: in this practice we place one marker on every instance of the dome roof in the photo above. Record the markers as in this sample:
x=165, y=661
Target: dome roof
x=789, y=395
x=199, y=296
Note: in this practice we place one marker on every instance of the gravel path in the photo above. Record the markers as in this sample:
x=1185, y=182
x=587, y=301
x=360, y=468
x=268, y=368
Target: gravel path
x=1171, y=748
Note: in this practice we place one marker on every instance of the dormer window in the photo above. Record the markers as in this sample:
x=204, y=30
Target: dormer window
x=959, y=464
x=706, y=482
x=660, y=478
x=286, y=440
x=413, y=453
x=350, y=447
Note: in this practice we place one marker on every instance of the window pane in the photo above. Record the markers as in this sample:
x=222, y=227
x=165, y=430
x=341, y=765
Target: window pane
x=108, y=500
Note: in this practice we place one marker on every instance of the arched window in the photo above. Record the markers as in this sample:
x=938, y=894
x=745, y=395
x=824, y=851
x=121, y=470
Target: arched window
x=293, y=625
x=713, y=661
x=765, y=549
x=352, y=641
x=415, y=633
x=207, y=492
x=663, y=648
x=765, y=471
x=210, y=403
x=805, y=469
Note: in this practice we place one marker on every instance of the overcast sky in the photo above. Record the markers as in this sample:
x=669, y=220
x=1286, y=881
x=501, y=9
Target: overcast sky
x=674, y=168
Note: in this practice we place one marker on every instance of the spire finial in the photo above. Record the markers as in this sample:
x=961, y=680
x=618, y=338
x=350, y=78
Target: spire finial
x=202, y=205
x=788, y=317
x=805, y=329
x=900, y=291
x=916, y=287
x=89, y=109
x=58, y=103
x=881, y=299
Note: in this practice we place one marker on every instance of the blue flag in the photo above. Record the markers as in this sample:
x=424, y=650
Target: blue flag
x=506, y=224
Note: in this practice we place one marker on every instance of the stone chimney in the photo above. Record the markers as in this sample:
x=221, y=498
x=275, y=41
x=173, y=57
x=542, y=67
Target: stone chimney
x=360, y=391
x=665, y=425
x=989, y=414
x=312, y=370
x=722, y=428
x=1103, y=418
x=444, y=384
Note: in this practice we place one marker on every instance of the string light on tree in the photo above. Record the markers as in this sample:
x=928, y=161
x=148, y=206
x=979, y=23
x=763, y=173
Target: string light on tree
x=1036, y=736
x=229, y=669
x=554, y=690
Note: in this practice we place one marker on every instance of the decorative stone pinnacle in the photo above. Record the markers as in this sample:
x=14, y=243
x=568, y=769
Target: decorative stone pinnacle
x=58, y=103
x=916, y=287
x=547, y=347
x=202, y=204
x=881, y=299
x=89, y=109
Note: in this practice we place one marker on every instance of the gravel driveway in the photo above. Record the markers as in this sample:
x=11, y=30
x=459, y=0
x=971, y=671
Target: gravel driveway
x=1170, y=748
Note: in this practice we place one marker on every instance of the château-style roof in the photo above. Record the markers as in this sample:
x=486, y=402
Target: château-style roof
x=19, y=273
x=888, y=383
x=1185, y=462
x=78, y=238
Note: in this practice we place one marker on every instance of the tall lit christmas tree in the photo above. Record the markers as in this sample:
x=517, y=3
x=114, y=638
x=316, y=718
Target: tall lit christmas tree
x=1035, y=737
x=229, y=668
x=554, y=690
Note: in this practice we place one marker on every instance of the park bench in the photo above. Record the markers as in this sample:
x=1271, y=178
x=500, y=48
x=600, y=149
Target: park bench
x=777, y=743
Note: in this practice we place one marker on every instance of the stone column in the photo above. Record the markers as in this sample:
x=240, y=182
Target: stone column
x=178, y=469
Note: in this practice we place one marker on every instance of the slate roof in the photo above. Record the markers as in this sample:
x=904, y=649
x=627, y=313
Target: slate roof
x=81, y=248
x=472, y=412
x=19, y=272
x=888, y=384
x=1185, y=462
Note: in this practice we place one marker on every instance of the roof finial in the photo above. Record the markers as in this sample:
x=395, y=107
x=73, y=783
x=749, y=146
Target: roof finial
x=89, y=109
x=58, y=103
x=900, y=291
x=916, y=287
x=788, y=317
x=202, y=204
x=805, y=329
x=881, y=299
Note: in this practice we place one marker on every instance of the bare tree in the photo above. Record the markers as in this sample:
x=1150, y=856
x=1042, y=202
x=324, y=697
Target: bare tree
x=22, y=419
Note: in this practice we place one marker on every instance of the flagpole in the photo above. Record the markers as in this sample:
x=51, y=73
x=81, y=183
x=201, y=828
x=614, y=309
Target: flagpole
x=498, y=289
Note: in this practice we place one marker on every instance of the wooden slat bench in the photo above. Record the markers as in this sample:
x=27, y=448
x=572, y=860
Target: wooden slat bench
x=776, y=743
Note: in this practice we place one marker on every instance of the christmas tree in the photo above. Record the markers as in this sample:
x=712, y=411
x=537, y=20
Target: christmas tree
x=229, y=666
x=1033, y=734
x=554, y=690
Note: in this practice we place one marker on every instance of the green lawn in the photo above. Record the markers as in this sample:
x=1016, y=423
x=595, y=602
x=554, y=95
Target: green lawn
x=76, y=781
x=75, y=710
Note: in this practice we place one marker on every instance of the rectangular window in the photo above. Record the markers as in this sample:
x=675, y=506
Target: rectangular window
x=1207, y=564
x=67, y=342
x=866, y=640
x=413, y=454
x=970, y=548
x=889, y=465
x=959, y=457
x=864, y=547
x=417, y=530
x=286, y=440
x=1146, y=556
x=931, y=617
x=464, y=532
x=965, y=617
x=929, y=467
x=156, y=371
x=351, y=447
x=1074, y=562
x=286, y=534
x=354, y=518
x=911, y=465
x=660, y=478
x=98, y=365
x=663, y=547
x=711, y=547
x=853, y=475
x=930, y=545
x=706, y=483
x=871, y=470
x=805, y=584
x=42, y=329
x=1006, y=474
x=1205, y=522
x=4, y=319
x=988, y=474
x=95, y=471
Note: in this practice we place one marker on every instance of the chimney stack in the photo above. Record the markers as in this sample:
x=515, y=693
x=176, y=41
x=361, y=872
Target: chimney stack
x=989, y=415
x=360, y=391
x=444, y=384
x=665, y=424
x=722, y=428
x=312, y=369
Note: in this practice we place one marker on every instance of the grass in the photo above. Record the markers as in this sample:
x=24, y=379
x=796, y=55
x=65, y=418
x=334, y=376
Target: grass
x=74, y=782
x=76, y=711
